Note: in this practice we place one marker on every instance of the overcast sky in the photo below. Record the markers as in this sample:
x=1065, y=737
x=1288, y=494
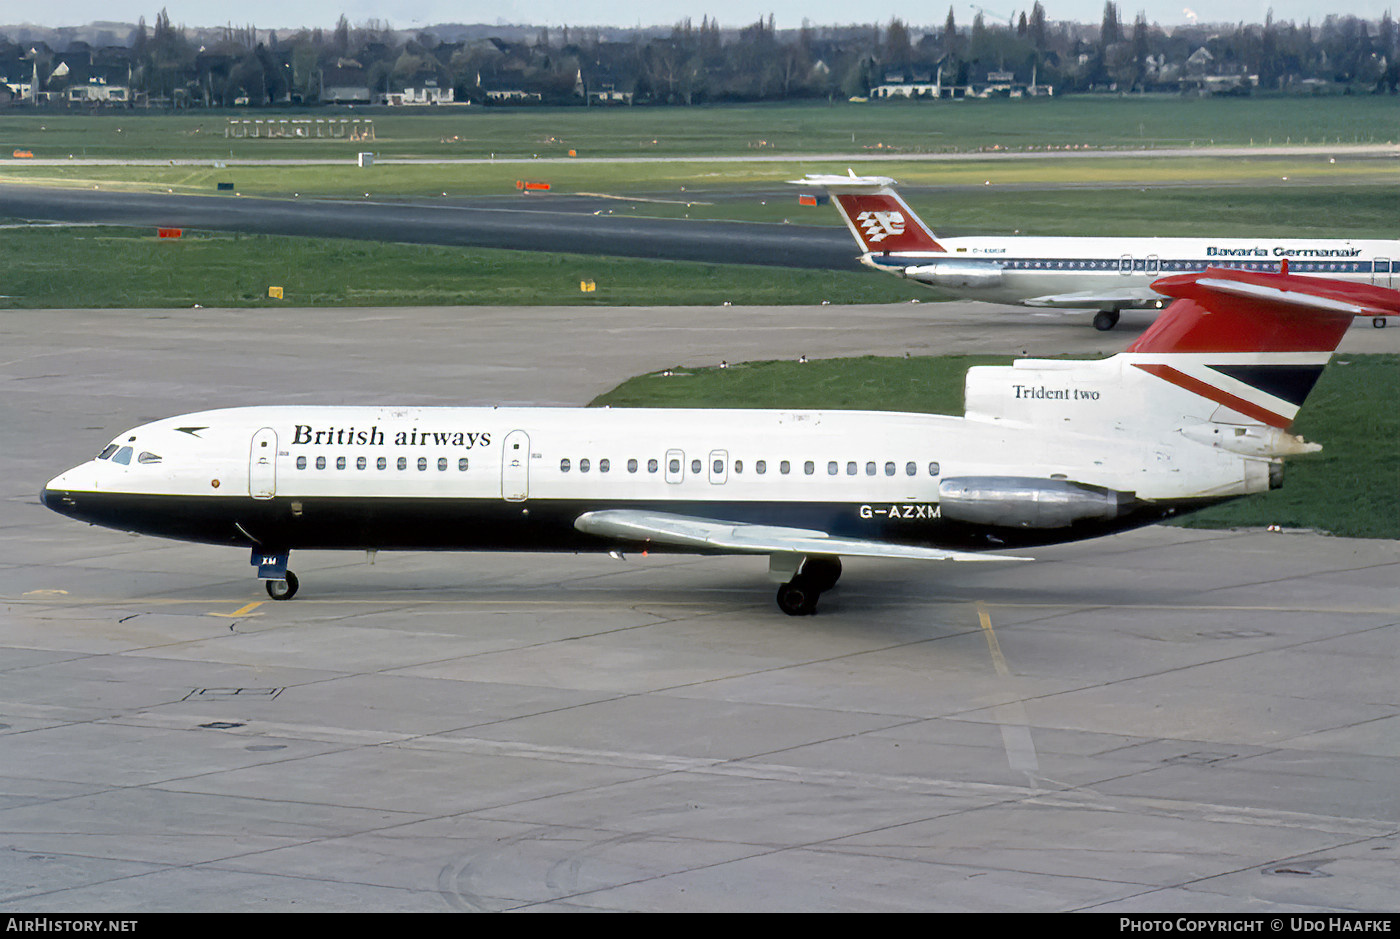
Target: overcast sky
x=408, y=14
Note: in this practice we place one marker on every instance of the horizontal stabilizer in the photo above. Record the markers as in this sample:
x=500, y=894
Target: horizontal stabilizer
x=707, y=534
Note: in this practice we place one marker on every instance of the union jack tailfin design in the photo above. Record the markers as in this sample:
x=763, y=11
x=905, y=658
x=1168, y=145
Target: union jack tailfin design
x=880, y=220
x=1252, y=343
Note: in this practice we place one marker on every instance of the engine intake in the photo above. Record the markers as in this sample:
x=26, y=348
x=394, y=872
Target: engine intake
x=1027, y=502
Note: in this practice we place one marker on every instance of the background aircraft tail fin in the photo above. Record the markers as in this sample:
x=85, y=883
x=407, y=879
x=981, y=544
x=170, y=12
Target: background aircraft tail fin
x=879, y=219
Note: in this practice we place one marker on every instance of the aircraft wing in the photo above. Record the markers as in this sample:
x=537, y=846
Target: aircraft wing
x=1093, y=299
x=707, y=534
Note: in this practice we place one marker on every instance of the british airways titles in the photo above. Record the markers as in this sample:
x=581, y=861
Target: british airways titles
x=374, y=437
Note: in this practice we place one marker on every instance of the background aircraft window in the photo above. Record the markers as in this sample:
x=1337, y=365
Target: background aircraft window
x=123, y=456
x=320, y=462
x=361, y=463
x=301, y=462
x=442, y=464
x=889, y=469
x=422, y=464
x=462, y=465
x=911, y=469
x=403, y=463
x=584, y=466
x=564, y=465
x=651, y=466
x=832, y=468
x=340, y=462
x=381, y=463
x=604, y=465
x=760, y=467
x=933, y=469
x=108, y=451
x=809, y=467
x=631, y=466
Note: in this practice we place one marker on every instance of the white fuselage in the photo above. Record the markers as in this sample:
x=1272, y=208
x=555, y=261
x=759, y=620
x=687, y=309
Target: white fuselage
x=1028, y=269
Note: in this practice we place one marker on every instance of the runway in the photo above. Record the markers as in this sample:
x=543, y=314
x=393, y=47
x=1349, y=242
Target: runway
x=1169, y=720
x=523, y=223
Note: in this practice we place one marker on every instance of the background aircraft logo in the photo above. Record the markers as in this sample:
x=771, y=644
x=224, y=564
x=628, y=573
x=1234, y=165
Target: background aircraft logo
x=880, y=225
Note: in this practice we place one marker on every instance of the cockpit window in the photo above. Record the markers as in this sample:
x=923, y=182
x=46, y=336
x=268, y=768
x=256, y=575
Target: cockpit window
x=123, y=456
x=111, y=448
x=147, y=456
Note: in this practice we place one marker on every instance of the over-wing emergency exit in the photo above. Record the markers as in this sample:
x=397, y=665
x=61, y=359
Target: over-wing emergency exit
x=1079, y=273
x=1195, y=412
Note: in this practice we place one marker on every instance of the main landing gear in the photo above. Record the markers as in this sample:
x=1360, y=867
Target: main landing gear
x=814, y=576
x=1105, y=320
x=272, y=571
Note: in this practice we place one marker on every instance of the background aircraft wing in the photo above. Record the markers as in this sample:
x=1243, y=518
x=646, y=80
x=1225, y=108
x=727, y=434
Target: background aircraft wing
x=707, y=534
x=1094, y=299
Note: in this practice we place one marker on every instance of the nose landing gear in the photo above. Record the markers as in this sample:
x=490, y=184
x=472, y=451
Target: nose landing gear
x=272, y=570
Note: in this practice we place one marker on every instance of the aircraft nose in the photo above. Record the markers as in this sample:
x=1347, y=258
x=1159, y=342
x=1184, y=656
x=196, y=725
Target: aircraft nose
x=55, y=494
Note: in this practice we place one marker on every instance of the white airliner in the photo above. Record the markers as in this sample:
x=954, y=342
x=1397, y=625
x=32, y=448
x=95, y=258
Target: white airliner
x=1195, y=412
x=1104, y=274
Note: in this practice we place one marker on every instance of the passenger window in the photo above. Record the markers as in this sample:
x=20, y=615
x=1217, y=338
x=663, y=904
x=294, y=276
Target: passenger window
x=123, y=456
x=381, y=463
x=361, y=463
x=785, y=467
x=320, y=462
x=462, y=465
x=422, y=464
x=674, y=466
x=695, y=467
x=651, y=466
x=301, y=462
x=911, y=469
x=584, y=466
x=809, y=467
x=564, y=465
x=402, y=463
x=604, y=465
x=738, y=466
x=851, y=468
x=889, y=469
x=340, y=462
x=442, y=464
x=832, y=468
x=870, y=469
x=933, y=469
x=631, y=466
x=718, y=467
x=760, y=467
x=108, y=451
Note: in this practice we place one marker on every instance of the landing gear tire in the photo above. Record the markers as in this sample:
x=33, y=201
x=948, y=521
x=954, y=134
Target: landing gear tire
x=797, y=598
x=822, y=573
x=1378, y=322
x=1105, y=320
x=283, y=589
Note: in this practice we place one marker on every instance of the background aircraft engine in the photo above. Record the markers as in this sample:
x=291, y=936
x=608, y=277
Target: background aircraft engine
x=967, y=274
x=1025, y=502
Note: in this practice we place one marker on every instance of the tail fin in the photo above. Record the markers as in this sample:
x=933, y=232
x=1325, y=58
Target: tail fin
x=1252, y=343
x=878, y=218
x=1228, y=364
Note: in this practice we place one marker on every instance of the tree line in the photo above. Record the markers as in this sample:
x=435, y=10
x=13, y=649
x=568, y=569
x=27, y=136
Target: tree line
x=689, y=64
